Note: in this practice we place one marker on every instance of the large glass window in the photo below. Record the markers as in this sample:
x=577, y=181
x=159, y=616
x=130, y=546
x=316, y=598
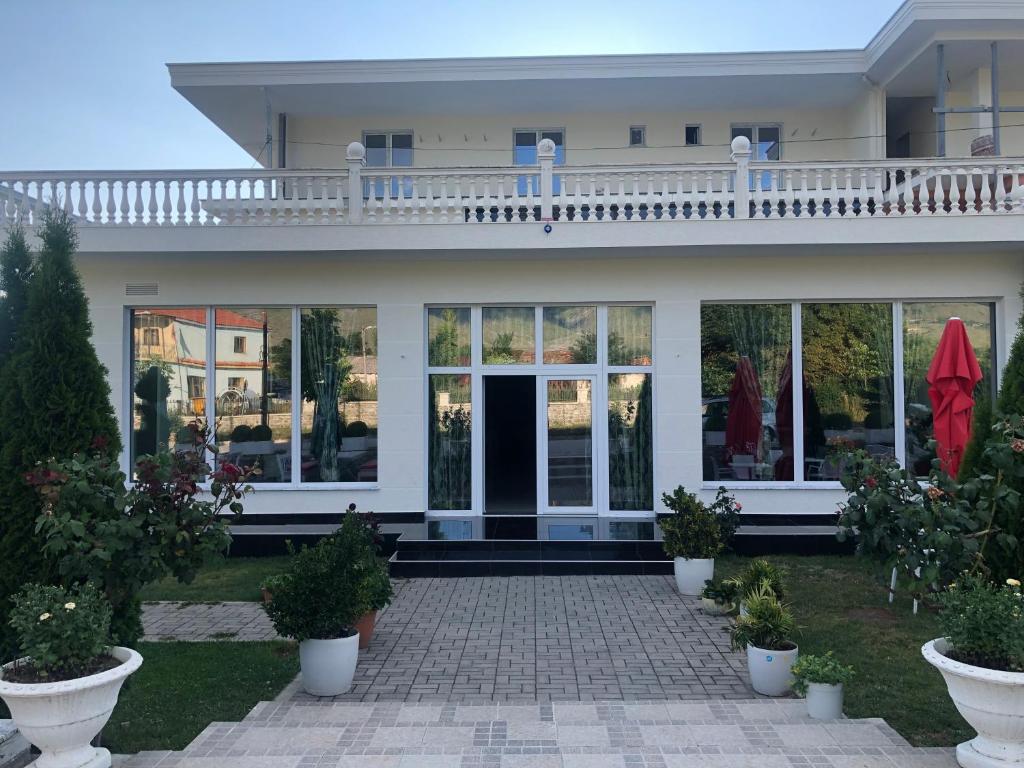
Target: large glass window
x=525, y=153
x=570, y=443
x=923, y=323
x=848, y=365
x=629, y=335
x=630, y=436
x=339, y=394
x=448, y=331
x=508, y=335
x=450, y=426
x=254, y=391
x=570, y=335
x=168, y=376
x=747, y=392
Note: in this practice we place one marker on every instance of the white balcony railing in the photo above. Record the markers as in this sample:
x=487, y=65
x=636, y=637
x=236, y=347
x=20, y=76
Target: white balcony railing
x=580, y=194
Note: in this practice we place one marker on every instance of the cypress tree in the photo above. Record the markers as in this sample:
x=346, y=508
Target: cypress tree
x=15, y=275
x=54, y=402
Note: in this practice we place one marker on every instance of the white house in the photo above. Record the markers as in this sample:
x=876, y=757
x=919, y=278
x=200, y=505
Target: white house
x=531, y=291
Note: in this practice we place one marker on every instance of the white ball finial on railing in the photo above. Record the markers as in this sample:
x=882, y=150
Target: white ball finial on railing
x=740, y=144
x=355, y=151
x=546, y=148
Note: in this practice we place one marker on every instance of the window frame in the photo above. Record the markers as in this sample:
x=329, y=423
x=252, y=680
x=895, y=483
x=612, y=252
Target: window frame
x=389, y=134
x=210, y=371
x=700, y=134
x=899, y=395
x=643, y=135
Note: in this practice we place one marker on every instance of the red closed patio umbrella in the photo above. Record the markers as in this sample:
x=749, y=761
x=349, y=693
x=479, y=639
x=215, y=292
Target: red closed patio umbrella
x=743, y=424
x=952, y=377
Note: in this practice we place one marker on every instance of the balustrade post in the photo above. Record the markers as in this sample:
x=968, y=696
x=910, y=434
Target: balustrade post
x=355, y=154
x=546, y=158
x=741, y=184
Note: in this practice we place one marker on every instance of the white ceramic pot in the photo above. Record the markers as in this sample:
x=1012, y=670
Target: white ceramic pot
x=691, y=574
x=354, y=443
x=61, y=719
x=992, y=702
x=771, y=672
x=328, y=666
x=825, y=701
x=712, y=608
x=743, y=608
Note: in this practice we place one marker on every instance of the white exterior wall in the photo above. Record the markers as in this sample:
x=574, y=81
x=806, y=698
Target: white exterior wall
x=458, y=140
x=676, y=284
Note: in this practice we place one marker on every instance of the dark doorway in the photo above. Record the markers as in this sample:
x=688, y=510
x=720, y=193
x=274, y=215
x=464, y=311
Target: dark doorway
x=510, y=457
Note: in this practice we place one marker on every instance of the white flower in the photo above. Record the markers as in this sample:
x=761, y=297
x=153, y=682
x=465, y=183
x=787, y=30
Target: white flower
x=44, y=616
x=1013, y=582
x=69, y=606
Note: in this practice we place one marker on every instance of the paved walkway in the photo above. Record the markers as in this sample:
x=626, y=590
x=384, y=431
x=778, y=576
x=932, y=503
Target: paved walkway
x=735, y=734
x=547, y=638
x=194, y=622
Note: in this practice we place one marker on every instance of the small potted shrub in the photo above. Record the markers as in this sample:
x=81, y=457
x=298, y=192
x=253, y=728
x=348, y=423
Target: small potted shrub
x=64, y=687
x=318, y=600
x=185, y=439
x=766, y=632
x=821, y=679
x=719, y=597
x=981, y=657
x=356, y=436
x=759, y=574
x=376, y=595
x=692, y=537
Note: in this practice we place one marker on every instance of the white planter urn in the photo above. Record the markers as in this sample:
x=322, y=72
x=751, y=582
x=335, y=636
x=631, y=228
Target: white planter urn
x=691, y=574
x=992, y=702
x=328, y=666
x=61, y=719
x=771, y=672
x=825, y=701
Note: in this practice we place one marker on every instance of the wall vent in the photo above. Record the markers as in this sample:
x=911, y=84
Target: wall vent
x=141, y=289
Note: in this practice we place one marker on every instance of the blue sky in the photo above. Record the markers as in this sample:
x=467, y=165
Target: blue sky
x=85, y=86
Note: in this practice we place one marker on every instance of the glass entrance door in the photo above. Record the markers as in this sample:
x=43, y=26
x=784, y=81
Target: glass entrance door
x=566, y=482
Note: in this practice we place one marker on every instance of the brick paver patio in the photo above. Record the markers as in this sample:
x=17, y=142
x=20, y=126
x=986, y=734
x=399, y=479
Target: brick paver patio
x=547, y=638
x=194, y=622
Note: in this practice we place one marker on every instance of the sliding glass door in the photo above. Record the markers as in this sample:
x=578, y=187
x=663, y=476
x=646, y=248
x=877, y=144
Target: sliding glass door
x=566, y=477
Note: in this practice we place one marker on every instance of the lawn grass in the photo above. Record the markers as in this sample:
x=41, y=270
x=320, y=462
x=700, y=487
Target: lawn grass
x=183, y=687
x=841, y=605
x=234, y=578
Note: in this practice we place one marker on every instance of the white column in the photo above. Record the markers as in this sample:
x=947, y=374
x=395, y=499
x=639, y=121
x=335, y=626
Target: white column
x=355, y=155
x=741, y=186
x=546, y=158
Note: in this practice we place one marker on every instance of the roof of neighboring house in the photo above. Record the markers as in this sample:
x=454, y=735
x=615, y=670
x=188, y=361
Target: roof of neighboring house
x=226, y=318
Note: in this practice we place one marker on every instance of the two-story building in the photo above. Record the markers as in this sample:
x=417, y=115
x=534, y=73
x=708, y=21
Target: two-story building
x=519, y=298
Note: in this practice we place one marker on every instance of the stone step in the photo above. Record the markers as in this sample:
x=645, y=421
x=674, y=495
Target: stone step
x=670, y=734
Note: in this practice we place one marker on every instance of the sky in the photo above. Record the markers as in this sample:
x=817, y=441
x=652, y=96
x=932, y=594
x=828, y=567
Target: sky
x=86, y=87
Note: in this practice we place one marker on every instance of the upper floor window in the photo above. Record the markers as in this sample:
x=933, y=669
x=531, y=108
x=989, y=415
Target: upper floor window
x=525, y=153
x=765, y=144
x=388, y=149
x=637, y=136
x=239, y=345
x=691, y=134
x=151, y=337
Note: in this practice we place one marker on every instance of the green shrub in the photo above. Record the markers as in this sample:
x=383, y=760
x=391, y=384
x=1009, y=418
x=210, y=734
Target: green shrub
x=825, y=670
x=376, y=589
x=692, y=530
x=241, y=434
x=757, y=575
x=837, y=421
x=322, y=594
x=722, y=592
x=983, y=623
x=62, y=631
x=262, y=432
x=357, y=429
x=768, y=623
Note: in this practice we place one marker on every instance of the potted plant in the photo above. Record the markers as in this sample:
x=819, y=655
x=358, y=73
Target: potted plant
x=821, y=679
x=981, y=657
x=65, y=685
x=356, y=436
x=376, y=594
x=719, y=597
x=318, y=601
x=692, y=537
x=759, y=574
x=262, y=440
x=766, y=633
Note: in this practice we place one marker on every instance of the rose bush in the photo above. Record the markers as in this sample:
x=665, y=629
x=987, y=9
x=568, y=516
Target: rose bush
x=97, y=527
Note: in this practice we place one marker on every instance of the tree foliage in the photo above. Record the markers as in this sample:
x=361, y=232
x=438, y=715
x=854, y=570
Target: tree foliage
x=54, y=402
x=15, y=277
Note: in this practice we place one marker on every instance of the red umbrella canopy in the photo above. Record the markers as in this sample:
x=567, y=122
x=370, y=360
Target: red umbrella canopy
x=952, y=377
x=743, y=424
